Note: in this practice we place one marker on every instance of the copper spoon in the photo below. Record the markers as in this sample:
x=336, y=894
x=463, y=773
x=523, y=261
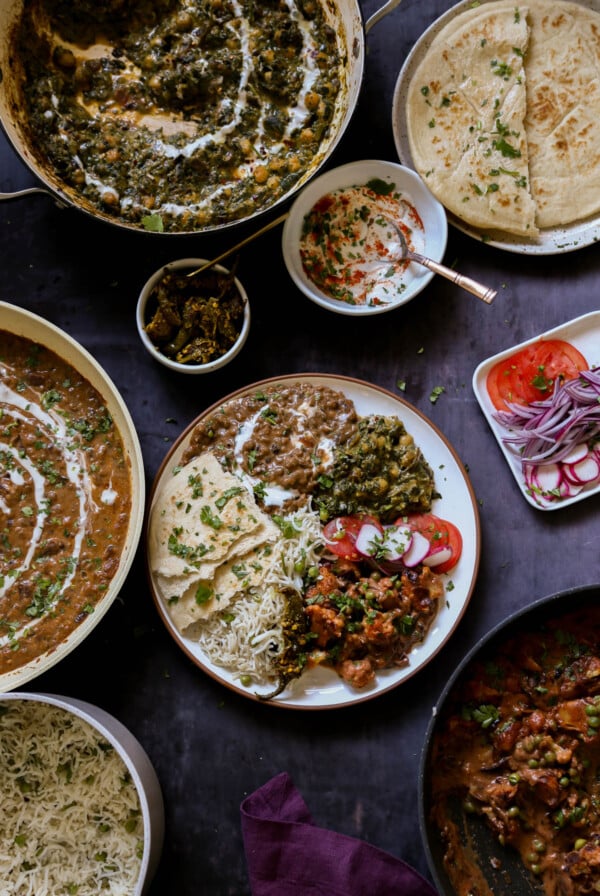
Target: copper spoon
x=486, y=293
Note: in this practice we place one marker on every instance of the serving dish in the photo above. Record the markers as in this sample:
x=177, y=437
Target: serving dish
x=552, y=240
x=133, y=757
x=345, y=21
x=146, y=308
x=430, y=240
x=322, y=688
x=22, y=323
x=584, y=334
x=479, y=858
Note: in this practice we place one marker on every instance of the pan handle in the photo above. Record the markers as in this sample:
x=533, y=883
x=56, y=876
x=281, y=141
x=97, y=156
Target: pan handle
x=20, y=193
x=381, y=12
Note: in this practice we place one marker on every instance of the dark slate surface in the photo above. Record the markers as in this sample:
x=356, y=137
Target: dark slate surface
x=357, y=767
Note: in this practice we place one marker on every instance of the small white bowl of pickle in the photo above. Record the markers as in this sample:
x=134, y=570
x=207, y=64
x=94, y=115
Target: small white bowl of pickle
x=191, y=318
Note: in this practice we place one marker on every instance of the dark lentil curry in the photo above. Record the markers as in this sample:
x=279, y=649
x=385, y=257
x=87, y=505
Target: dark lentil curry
x=282, y=436
x=65, y=500
x=178, y=115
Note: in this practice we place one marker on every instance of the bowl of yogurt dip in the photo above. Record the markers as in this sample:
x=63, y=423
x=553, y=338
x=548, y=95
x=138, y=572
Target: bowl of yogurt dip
x=340, y=241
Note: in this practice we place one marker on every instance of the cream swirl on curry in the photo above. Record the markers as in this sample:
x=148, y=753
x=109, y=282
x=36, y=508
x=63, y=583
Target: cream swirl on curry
x=179, y=115
x=65, y=499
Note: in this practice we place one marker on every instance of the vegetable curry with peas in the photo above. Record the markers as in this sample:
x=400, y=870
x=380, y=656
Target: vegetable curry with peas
x=519, y=746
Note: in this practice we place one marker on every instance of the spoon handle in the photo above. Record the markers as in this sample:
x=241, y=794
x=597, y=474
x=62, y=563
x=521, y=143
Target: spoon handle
x=478, y=289
x=240, y=245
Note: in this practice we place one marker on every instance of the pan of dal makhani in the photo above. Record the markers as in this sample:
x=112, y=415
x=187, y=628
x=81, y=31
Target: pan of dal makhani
x=312, y=541
x=497, y=108
x=72, y=494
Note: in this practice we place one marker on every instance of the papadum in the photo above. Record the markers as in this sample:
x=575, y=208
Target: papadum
x=208, y=540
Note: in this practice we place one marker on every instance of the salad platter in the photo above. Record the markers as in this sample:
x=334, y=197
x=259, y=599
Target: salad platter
x=582, y=335
x=320, y=687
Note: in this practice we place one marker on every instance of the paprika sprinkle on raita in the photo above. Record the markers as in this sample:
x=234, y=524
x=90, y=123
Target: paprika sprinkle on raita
x=350, y=249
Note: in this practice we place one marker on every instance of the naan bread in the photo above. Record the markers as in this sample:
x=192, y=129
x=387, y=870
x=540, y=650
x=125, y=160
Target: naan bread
x=563, y=111
x=466, y=109
x=207, y=540
x=533, y=73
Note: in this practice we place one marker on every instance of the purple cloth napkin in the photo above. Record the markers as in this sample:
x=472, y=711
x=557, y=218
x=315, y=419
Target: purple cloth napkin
x=288, y=855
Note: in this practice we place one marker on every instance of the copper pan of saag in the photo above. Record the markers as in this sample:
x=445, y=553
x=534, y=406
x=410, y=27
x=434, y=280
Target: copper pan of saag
x=178, y=116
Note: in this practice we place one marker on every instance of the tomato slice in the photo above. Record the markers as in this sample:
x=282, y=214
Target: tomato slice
x=340, y=534
x=439, y=533
x=531, y=373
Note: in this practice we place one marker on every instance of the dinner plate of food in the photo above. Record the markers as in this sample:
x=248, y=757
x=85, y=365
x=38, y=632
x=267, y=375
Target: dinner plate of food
x=498, y=111
x=312, y=541
x=541, y=399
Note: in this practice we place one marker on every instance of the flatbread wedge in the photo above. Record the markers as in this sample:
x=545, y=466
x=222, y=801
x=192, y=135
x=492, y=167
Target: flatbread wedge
x=207, y=540
x=466, y=109
x=563, y=111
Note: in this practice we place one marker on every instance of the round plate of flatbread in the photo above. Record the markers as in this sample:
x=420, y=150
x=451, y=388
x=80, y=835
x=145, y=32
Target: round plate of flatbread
x=497, y=107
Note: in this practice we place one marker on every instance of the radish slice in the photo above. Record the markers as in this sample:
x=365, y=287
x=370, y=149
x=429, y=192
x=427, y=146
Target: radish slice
x=584, y=472
x=418, y=550
x=396, y=541
x=368, y=539
x=577, y=453
x=436, y=557
x=547, y=477
x=569, y=489
x=533, y=487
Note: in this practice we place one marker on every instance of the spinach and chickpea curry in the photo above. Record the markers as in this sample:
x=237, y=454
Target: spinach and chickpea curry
x=178, y=115
x=65, y=500
x=519, y=746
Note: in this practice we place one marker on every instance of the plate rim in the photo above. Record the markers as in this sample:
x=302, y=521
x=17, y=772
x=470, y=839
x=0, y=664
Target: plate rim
x=482, y=396
x=339, y=382
x=553, y=240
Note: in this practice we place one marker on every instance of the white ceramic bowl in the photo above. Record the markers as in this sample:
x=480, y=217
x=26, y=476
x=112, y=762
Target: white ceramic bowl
x=188, y=264
x=432, y=239
x=23, y=323
x=134, y=758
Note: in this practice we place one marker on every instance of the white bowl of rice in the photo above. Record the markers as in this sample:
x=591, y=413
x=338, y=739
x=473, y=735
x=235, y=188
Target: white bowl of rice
x=82, y=809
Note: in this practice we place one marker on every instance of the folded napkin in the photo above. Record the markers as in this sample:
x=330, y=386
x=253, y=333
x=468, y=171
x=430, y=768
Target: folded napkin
x=288, y=855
